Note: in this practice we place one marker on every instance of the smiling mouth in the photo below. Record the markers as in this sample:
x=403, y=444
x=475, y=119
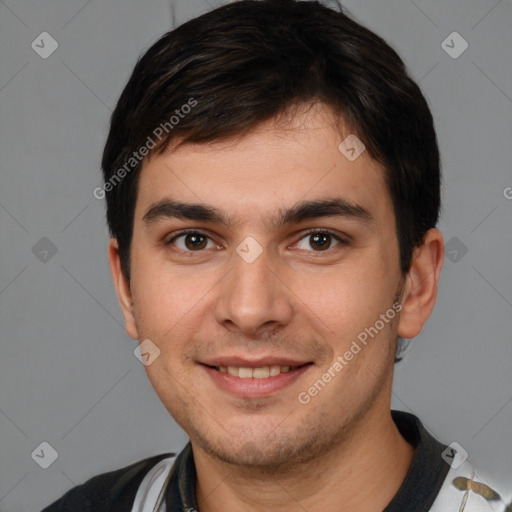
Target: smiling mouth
x=263, y=372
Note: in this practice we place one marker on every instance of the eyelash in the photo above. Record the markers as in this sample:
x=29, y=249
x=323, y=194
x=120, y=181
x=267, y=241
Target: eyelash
x=337, y=237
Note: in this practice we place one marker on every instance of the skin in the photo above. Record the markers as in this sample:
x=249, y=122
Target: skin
x=341, y=451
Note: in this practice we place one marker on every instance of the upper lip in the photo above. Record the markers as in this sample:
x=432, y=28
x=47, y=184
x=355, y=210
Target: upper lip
x=241, y=362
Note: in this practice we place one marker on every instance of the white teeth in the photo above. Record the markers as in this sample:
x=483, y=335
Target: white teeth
x=245, y=373
x=232, y=370
x=275, y=370
x=263, y=372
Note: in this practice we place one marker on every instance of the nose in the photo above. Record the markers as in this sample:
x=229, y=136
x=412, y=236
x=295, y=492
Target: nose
x=253, y=298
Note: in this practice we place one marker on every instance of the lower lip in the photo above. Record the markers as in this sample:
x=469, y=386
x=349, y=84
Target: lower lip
x=254, y=388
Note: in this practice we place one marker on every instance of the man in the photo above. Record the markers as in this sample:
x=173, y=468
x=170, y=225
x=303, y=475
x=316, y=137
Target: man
x=273, y=188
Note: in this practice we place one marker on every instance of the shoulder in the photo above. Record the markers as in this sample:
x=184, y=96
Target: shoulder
x=464, y=489
x=441, y=477
x=112, y=491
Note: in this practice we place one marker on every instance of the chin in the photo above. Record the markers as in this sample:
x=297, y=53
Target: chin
x=264, y=451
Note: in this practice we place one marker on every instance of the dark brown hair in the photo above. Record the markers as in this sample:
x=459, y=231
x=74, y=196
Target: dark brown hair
x=223, y=73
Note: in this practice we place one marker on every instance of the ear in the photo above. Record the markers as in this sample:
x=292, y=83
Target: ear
x=123, y=289
x=421, y=284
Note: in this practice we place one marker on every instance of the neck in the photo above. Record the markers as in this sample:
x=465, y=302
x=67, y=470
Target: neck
x=363, y=471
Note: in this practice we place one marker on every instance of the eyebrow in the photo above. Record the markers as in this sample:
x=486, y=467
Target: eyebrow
x=304, y=210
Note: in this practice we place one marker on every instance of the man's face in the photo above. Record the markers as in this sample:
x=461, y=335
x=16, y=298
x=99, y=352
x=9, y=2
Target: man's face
x=258, y=293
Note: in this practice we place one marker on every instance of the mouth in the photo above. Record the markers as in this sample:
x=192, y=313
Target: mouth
x=260, y=372
x=255, y=380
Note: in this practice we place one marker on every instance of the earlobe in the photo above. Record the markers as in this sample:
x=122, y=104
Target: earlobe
x=123, y=291
x=421, y=284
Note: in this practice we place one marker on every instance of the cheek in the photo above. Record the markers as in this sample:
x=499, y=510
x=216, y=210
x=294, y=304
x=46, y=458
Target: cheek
x=166, y=297
x=344, y=297
x=346, y=307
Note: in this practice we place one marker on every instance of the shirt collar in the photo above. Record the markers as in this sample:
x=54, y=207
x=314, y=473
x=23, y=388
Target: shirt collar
x=417, y=493
x=428, y=469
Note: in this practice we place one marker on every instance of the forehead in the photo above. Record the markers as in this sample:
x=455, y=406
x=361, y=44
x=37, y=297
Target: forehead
x=275, y=166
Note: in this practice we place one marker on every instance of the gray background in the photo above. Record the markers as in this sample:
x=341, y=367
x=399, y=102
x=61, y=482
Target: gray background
x=68, y=375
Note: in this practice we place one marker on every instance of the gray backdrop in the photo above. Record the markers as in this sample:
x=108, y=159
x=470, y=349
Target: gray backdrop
x=69, y=377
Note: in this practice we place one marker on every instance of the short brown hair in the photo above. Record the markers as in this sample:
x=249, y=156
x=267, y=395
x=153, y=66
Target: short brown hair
x=248, y=62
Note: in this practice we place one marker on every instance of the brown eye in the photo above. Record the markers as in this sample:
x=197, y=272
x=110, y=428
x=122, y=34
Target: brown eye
x=193, y=241
x=319, y=241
